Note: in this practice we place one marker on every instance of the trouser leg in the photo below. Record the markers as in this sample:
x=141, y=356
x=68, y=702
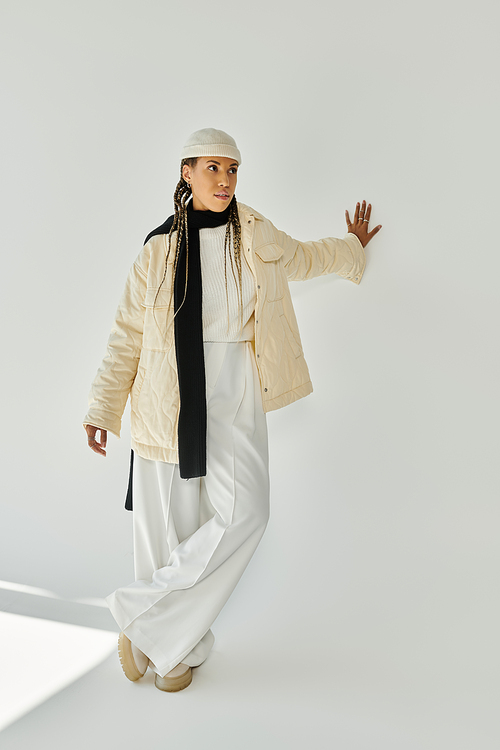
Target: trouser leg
x=162, y=519
x=169, y=614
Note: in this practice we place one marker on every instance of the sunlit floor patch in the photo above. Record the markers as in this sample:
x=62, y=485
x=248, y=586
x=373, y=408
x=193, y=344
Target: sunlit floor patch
x=36, y=591
x=41, y=657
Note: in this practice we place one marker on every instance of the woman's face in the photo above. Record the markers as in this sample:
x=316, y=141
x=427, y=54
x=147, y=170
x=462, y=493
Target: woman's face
x=212, y=175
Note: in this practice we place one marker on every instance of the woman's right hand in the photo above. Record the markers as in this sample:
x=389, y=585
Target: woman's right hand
x=93, y=442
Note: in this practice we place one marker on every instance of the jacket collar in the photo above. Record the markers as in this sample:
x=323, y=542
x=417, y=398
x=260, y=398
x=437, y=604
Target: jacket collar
x=248, y=211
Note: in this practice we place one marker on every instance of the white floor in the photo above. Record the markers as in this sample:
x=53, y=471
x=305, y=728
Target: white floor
x=62, y=686
x=42, y=658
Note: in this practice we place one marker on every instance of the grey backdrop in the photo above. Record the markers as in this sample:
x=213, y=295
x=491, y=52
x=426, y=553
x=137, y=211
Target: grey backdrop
x=382, y=544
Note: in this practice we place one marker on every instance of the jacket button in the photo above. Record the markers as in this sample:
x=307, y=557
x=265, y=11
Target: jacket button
x=258, y=355
x=249, y=221
x=258, y=286
x=265, y=390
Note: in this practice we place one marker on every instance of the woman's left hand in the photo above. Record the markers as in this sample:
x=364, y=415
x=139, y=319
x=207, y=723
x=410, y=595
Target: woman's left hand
x=360, y=225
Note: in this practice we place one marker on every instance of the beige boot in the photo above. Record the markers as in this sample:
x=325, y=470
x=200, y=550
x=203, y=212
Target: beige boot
x=177, y=679
x=129, y=665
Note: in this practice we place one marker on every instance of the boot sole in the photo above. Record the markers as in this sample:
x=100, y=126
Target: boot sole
x=127, y=659
x=176, y=683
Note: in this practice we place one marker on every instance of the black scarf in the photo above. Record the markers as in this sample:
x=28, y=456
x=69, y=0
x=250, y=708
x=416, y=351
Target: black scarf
x=188, y=333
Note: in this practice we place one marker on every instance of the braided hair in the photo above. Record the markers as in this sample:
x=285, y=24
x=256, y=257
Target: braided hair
x=181, y=196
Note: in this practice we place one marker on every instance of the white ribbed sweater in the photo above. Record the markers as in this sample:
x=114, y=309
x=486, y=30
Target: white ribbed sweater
x=221, y=320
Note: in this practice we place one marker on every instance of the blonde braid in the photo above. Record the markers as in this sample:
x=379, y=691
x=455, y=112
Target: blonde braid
x=234, y=224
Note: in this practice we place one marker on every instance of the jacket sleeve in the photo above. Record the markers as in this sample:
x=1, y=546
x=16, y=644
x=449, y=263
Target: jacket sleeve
x=305, y=260
x=115, y=377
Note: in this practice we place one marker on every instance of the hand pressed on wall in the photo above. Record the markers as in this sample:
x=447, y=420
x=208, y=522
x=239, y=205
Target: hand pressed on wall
x=359, y=227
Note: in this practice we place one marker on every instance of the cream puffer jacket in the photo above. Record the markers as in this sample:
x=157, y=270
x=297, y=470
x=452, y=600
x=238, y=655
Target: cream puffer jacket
x=140, y=358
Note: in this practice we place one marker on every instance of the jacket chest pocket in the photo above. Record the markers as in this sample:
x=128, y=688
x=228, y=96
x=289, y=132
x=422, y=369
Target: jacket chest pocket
x=158, y=319
x=159, y=298
x=272, y=273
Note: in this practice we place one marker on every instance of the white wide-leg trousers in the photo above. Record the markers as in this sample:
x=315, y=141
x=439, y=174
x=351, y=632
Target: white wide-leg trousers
x=194, y=538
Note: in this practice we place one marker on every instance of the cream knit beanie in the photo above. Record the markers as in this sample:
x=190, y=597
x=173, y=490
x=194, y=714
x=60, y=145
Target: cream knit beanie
x=211, y=142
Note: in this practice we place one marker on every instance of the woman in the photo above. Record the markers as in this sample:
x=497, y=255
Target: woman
x=206, y=342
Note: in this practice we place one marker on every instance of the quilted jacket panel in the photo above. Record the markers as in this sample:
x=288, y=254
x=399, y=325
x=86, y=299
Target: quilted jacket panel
x=140, y=361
